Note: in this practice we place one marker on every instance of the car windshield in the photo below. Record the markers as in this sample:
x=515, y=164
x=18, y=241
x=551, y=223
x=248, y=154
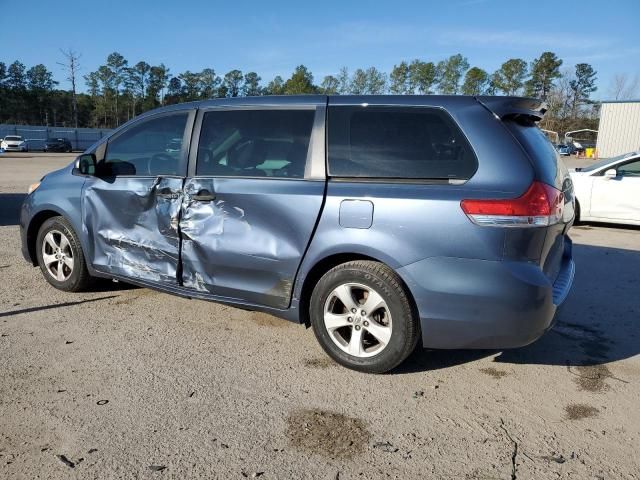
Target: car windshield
x=11, y=137
x=605, y=162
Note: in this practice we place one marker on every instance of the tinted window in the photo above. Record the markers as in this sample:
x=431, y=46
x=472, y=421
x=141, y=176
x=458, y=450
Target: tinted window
x=549, y=168
x=631, y=169
x=153, y=147
x=254, y=143
x=394, y=142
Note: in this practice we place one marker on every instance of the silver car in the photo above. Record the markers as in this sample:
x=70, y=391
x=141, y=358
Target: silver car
x=14, y=143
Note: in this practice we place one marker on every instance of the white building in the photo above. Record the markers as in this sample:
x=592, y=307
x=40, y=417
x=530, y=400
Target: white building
x=619, y=130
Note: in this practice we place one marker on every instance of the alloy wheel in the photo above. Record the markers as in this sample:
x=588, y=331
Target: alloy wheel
x=358, y=320
x=57, y=255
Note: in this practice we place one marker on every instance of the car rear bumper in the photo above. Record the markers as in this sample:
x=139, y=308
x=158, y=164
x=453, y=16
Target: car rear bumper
x=469, y=303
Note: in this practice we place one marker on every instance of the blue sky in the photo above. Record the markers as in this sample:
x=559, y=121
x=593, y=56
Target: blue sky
x=273, y=37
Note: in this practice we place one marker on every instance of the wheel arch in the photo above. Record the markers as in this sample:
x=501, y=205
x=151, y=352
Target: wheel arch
x=323, y=265
x=34, y=227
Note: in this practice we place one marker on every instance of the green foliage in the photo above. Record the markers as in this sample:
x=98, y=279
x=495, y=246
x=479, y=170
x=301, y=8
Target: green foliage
x=16, y=77
x=208, y=83
x=251, y=86
x=233, y=83
x=509, y=79
x=117, y=91
x=344, y=81
x=399, y=79
x=450, y=72
x=476, y=82
x=358, y=82
x=158, y=81
x=583, y=85
x=329, y=85
x=544, y=71
x=422, y=77
x=301, y=82
x=376, y=81
x=275, y=86
x=39, y=79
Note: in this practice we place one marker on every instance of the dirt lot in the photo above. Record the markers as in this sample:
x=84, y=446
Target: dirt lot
x=125, y=382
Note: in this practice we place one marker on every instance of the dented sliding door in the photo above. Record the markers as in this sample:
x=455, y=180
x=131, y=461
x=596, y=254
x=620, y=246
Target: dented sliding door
x=252, y=201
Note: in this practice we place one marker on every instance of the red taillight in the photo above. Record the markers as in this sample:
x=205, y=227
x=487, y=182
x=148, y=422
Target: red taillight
x=540, y=205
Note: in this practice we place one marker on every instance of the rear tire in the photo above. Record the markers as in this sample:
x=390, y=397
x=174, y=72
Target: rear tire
x=375, y=341
x=60, y=256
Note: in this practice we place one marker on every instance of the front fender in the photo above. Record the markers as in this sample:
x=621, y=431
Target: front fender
x=59, y=194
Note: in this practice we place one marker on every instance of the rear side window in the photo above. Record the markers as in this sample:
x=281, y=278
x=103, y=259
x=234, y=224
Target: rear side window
x=397, y=142
x=549, y=168
x=254, y=143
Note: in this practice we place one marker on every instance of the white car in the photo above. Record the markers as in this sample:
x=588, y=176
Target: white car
x=14, y=143
x=609, y=190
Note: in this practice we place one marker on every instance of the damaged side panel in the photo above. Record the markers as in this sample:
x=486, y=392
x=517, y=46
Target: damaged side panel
x=132, y=226
x=247, y=243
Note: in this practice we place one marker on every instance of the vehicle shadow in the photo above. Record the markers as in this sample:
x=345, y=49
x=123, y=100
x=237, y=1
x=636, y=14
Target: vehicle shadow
x=599, y=322
x=10, y=204
x=107, y=285
x=617, y=226
x=54, y=305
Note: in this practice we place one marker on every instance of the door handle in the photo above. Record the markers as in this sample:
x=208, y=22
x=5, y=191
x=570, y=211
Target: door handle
x=166, y=193
x=203, y=196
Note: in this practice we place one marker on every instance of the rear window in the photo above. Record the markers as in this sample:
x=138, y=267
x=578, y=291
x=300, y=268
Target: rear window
x=550, y=169
x=397, y=142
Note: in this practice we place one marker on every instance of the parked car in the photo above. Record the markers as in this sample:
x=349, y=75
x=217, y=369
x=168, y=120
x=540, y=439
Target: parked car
x=564, y=150
x=382, y=222
x=57, y=145
x=14, y=143
x=609, y=190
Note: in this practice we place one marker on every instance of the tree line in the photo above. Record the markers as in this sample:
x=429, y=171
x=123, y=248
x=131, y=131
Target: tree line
x=119, y=90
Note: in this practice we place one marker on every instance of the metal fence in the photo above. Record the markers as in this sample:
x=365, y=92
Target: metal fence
x=80, y=138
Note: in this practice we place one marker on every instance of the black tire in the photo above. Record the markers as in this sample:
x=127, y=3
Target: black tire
x=405, y=331
x=79, y=278
x=576, y=220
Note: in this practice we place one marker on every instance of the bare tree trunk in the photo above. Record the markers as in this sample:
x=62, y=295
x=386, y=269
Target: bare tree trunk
x=72, y=66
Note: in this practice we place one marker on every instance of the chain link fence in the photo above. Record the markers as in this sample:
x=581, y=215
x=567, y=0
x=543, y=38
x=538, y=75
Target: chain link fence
x=80, y=138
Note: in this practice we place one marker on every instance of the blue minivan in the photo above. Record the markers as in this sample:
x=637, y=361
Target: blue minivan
x=380, y=221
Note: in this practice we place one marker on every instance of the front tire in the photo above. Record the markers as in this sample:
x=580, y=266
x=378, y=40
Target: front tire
x=60, y=256
x=363, y=318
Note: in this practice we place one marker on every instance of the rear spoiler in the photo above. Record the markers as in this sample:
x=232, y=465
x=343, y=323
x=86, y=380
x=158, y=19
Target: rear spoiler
x=514, y=107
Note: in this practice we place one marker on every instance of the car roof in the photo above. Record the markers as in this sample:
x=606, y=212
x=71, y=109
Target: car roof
x=500, y=104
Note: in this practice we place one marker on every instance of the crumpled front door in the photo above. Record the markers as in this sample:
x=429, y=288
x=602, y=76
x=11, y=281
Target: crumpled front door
x=132, y=226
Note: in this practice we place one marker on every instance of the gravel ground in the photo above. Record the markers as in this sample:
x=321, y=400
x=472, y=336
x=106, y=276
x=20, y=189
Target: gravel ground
x=125, y=382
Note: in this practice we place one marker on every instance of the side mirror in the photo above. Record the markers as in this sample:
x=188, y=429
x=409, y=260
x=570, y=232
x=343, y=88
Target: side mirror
x=86, y=164
x=611, y=173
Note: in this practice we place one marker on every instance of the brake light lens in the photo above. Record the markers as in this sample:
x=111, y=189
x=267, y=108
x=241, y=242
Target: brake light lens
x=540, y=206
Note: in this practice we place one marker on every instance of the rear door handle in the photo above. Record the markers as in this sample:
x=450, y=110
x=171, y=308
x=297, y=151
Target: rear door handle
x=166, y=193
x=203, y=196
